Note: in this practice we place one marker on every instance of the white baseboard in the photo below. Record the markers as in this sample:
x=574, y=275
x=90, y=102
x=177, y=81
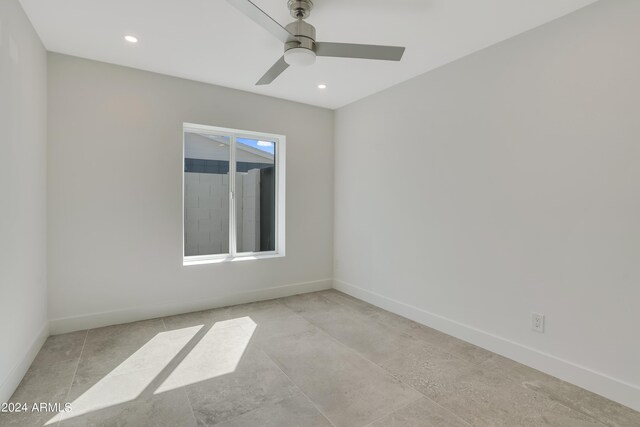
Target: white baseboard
x=96, y=320
x=597, y=382
x=12, y=380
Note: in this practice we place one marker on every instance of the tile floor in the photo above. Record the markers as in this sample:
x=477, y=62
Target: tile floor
x=317, y=359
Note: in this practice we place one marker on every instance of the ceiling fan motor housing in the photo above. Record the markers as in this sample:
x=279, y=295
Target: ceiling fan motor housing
x=305, y=35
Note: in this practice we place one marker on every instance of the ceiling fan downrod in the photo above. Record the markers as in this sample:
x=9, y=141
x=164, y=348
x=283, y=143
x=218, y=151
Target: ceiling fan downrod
x=300, y=9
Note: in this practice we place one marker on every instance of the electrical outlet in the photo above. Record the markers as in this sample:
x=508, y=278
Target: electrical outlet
x=537, y=322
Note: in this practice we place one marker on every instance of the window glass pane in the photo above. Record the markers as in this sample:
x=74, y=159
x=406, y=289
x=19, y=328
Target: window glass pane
x=255, y=195
x=206, y=194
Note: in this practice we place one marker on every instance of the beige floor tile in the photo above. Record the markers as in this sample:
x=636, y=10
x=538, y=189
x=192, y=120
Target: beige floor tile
x=356, y=304
x=348, y=389
x=392, y=322
x=25, y=419
x=120, y=346
x=373, y=340
x=460, y=348
x=421, y=413
x=162, y=410
x=604, y=410
x=45, y=383
x=294, y=412
x=427, y=368
x=479, y=395
x=484, y=397
x=272, y=319
x=121, y=334
x=254, y=383
x=59, y=348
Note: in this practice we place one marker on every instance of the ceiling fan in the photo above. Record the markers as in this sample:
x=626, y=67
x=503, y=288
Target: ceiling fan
x=299, y=38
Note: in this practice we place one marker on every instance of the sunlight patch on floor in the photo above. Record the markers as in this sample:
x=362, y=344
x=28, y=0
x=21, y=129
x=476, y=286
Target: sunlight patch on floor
x=217, y=353
x=175, y=358
x=129, y=379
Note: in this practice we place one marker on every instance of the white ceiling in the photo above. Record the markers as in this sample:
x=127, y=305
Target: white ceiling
x=210, y=41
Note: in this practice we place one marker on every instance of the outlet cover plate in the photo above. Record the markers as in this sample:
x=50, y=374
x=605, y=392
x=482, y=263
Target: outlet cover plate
x=537, y=322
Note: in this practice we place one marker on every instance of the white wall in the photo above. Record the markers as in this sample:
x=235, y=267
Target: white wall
x=115, y=200
x=23, y=127
x=515, y=188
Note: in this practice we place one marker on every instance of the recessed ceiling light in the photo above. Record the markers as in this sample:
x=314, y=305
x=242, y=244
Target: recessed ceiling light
x=322, y=86
x=131, y=39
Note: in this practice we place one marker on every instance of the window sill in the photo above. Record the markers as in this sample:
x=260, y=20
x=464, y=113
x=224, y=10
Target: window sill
x=200, y=260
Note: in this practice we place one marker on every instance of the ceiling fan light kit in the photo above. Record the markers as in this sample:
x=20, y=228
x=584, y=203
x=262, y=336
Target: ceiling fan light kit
x=299, y=56
x=299, y=38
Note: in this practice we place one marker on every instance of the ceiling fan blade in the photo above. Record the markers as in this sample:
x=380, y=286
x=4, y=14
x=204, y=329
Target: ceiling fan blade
x=261, y=18
x=273, y=73
x=363, y=51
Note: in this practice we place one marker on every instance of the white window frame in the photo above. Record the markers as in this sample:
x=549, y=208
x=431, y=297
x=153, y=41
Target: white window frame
x=280, y=161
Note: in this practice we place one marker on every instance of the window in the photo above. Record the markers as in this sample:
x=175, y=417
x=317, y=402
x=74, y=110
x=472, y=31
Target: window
x=233, y=194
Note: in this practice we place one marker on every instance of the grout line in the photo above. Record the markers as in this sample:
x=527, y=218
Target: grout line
x=392, y=412
x=184, y=388
x=298, y=387
x=422, y=394
x=75, y=371
x=428, y=398
x=193, y=414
